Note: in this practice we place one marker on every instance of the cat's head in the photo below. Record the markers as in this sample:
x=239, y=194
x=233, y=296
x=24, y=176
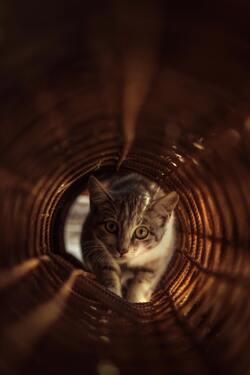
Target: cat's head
x=129, y=222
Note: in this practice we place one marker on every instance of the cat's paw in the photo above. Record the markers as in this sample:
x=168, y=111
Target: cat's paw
x=115, y=290
x=111, y=280
x=138, y=297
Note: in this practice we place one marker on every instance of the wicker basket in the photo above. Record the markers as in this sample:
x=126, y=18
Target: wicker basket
x=161, y=88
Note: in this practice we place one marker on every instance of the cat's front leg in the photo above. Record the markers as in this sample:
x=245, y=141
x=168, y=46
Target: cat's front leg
x=142, y=287
x=110, y=277
x=97, y=259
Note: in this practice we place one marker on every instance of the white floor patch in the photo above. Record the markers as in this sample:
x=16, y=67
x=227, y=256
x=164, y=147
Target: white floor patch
x=73, y=225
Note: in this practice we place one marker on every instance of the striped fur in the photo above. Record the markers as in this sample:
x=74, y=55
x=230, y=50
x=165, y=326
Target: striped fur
x=126, y=265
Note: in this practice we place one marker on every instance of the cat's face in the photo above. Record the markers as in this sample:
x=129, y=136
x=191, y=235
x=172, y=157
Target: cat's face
x=129, y=223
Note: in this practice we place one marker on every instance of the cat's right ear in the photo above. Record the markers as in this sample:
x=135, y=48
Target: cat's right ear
x=167, y=203
x=98, y=195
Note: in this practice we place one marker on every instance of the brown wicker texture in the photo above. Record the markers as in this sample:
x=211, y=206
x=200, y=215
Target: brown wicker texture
x=158, y=88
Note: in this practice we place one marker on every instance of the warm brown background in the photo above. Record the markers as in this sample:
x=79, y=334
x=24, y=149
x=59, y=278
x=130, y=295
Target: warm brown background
x=162, y=88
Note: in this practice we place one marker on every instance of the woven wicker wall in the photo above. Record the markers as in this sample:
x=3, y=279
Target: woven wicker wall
x=158, y=88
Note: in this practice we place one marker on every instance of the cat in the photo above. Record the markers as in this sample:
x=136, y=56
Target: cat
x=128, y=239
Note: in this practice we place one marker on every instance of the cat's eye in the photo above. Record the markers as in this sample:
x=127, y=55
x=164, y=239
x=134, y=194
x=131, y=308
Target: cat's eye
x=111, y=226
x=141, y=233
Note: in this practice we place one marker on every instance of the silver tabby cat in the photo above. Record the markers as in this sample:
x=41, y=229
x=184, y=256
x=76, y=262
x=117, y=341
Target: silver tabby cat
x=128, y=236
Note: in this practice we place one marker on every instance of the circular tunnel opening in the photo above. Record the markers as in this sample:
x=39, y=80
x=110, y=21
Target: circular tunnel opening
x=71, y=213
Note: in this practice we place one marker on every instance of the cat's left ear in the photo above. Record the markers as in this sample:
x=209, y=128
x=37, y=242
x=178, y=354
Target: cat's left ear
x=98, y=195
x=167, y=203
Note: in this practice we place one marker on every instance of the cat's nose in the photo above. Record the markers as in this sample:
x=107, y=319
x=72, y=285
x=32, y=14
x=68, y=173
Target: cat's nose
x=124, y=251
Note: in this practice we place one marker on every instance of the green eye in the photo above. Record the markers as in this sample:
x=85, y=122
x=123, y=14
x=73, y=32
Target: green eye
x=111, y=226
x=141, y=233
